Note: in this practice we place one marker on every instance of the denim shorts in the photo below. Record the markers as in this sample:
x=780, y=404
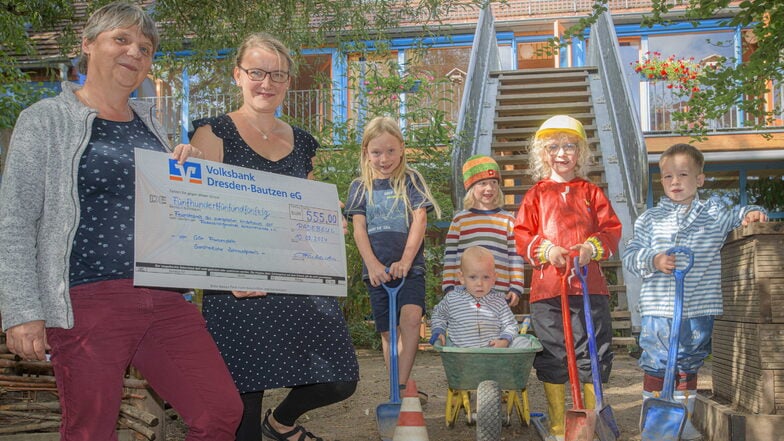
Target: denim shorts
x=694, y=344
x=412, y=293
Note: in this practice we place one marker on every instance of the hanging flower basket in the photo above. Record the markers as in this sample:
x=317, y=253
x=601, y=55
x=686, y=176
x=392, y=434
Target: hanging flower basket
x=681, y=74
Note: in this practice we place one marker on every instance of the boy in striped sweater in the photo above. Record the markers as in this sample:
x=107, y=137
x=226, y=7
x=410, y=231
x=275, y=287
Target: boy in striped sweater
x=681, y=219
x=474, y=314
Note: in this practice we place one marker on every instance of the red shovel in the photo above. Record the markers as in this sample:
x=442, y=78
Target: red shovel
x=580, y=423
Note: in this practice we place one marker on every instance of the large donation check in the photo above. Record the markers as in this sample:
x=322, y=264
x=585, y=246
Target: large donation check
x=203, y=224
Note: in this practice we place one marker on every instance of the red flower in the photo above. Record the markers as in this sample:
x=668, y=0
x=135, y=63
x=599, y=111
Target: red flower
x=679, y=73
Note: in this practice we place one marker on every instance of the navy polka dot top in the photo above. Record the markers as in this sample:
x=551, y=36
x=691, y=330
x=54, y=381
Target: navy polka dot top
x=103, y=245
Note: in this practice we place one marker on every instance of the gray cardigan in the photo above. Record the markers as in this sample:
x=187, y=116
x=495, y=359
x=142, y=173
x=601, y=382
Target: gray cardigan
x=39, y=206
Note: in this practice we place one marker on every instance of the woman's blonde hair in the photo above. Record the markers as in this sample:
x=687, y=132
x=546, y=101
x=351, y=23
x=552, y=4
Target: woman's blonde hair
x=537, y=154
x=267, y=42
x=385, y=125
x=469, y=201
x=117, y=15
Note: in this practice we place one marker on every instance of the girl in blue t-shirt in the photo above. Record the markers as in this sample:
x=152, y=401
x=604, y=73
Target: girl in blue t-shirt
x=388, y=206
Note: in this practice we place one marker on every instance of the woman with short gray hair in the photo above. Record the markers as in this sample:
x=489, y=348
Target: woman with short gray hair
x=67, y=229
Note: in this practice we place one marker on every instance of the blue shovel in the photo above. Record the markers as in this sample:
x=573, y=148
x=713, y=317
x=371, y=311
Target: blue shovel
x=606, y=426
x=663, y=418
x=387, y=413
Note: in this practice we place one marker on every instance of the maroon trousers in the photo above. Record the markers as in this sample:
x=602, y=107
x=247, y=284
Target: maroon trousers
x=161, y=335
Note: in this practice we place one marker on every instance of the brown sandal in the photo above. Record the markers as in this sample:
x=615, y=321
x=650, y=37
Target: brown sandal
x=270, y=432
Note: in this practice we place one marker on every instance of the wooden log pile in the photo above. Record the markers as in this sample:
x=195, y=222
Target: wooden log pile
x=748, y=363
x=29, y=401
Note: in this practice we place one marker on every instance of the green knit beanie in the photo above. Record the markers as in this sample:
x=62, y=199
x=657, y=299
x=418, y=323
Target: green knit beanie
x=480, y=167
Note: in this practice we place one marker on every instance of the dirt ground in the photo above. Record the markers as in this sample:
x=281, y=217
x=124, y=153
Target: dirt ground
x=354, y=419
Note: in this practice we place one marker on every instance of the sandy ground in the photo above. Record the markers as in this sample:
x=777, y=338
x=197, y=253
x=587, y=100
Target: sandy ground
x=354, y=419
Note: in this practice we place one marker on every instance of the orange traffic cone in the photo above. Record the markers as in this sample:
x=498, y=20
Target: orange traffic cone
x=411, y=422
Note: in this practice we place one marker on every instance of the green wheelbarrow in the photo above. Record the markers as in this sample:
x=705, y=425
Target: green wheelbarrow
x=497, y=375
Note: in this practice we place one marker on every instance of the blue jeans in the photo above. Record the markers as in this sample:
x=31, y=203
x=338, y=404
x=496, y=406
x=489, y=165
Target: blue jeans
x=694, y=344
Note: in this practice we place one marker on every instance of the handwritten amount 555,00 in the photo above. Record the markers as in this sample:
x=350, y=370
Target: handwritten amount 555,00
x=313, y=215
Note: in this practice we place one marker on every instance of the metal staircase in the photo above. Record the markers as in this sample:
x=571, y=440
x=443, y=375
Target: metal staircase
x=524, y=99
x=513, y=105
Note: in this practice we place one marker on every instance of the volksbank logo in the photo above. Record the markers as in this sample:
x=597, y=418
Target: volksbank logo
x=189, y=171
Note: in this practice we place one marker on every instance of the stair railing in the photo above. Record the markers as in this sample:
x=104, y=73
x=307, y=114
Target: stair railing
x=484, y=58
x=630, y=144
x=630, y=154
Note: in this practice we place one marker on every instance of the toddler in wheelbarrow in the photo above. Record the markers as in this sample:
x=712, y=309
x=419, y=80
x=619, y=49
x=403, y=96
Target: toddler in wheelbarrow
x=477, y=335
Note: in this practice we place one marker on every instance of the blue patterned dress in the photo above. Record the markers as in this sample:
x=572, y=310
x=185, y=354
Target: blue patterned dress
x=280, y=340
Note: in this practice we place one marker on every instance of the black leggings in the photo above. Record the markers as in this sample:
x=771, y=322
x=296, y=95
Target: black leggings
x=299, y=400
x=550, y=363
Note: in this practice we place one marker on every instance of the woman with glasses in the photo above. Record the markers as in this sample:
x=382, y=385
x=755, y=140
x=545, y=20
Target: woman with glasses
x=271, y=340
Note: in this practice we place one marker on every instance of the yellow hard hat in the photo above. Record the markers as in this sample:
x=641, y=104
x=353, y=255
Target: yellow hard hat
x=561, y=123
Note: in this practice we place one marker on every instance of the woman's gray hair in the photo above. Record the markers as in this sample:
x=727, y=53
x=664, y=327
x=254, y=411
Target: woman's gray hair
x=115, y=15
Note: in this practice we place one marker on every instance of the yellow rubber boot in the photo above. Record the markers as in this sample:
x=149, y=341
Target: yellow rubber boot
x=589, y=396
x=556, y=405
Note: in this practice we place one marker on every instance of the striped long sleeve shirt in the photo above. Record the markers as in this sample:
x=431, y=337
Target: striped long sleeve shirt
x=471, y=322
x=493, y=230
x=702, y=227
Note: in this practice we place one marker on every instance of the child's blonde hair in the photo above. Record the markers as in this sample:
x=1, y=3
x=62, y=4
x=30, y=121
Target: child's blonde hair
x=475, y=254
x=557, y=125
x=469, y=201
x=375, y=128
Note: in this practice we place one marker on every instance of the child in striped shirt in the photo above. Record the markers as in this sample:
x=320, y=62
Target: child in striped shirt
x=484, y=222
x=474, y=314
x=681, y=219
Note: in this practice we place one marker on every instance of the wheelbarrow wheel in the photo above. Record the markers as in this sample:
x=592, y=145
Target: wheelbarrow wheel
x=489, y=415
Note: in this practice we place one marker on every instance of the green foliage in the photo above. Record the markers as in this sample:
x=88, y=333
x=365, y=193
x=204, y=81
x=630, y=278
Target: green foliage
x=17, y=18
x=767, y=192
x=364, y=335
x=730, y=84
x=16, y=96
x=427, y=143
x=216, y=28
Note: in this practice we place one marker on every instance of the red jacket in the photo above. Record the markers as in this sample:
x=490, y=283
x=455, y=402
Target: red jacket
x=565, y=214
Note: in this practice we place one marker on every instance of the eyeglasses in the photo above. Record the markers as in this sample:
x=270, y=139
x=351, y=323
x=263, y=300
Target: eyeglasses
x=568, y=148
x=277, y=76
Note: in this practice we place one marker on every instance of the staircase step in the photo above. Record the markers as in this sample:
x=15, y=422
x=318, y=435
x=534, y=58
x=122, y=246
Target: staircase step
x=521, y=159
x=528, y=132
x=501, y=147
x=543, y=110
x=539, y=86
x=624, y=341
x=571, y=98
x=537, y=120
x=542, y=75
x=521, y=173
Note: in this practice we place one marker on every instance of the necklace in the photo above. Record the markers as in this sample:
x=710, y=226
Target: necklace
x=89, y=103
x=478, y=300
x=261, y=132
x=478, y=319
